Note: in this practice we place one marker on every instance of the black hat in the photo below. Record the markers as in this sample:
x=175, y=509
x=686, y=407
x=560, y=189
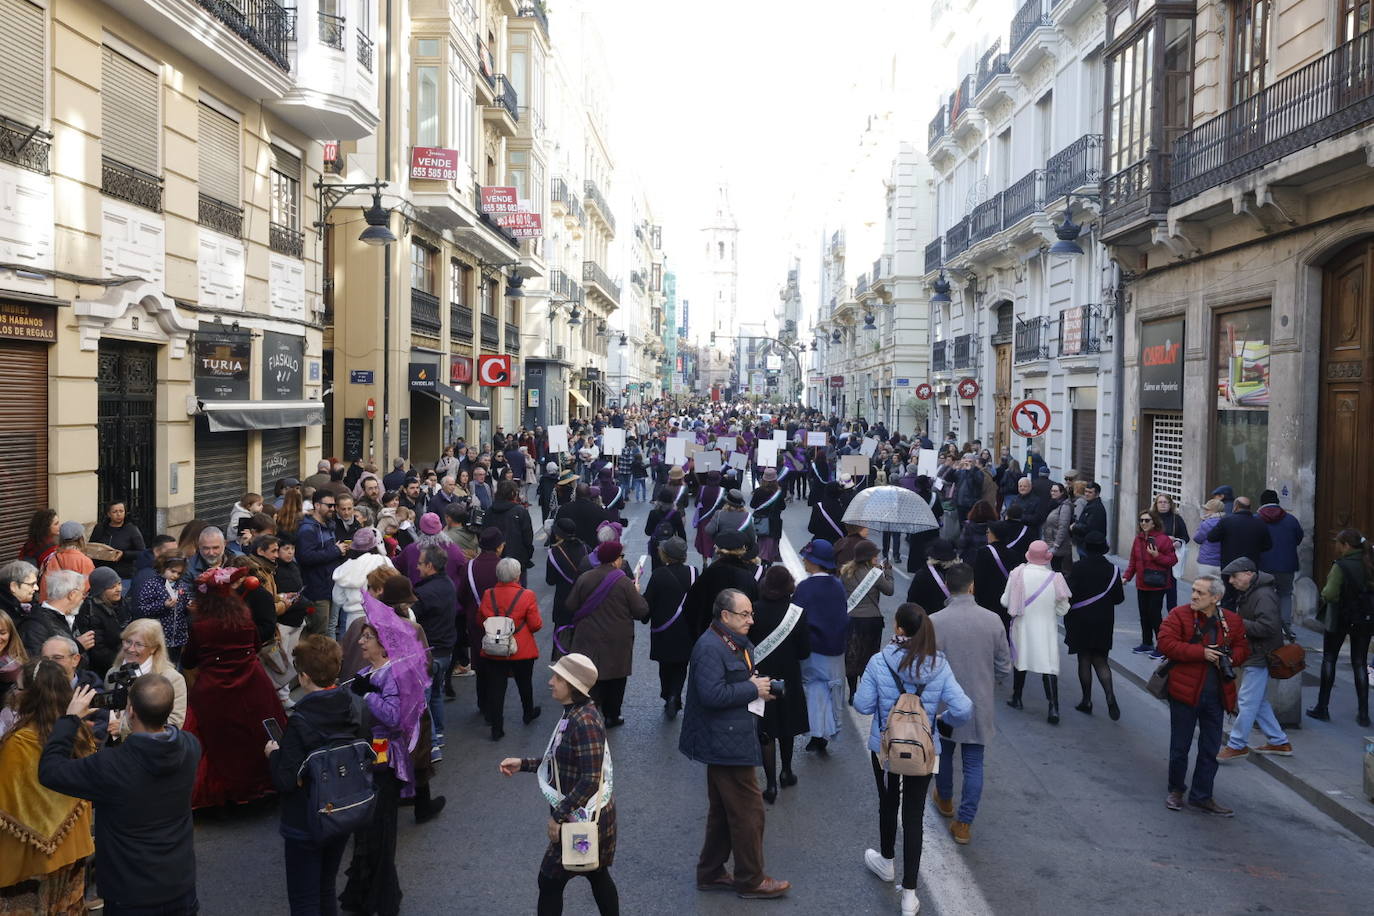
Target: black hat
x=734, y=497
x=1095, y=542
x=565, y=527
x=675, y=548
x=941, y=549
x=729, y=539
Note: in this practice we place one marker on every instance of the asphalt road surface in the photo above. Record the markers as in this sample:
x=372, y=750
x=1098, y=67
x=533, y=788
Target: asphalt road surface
x=1072, y=821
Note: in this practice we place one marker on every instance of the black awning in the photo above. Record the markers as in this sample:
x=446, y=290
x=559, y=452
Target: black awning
x=237, y=416
x=475, y=409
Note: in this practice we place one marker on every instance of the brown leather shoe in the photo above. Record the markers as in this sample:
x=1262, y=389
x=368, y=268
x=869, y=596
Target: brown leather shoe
x=725, y=882
x=943, y=805
x=1278, y=750
x=766, y=889
x=1210, y=806
x=961, y=832
x=1229, y=753
x=1174, y=802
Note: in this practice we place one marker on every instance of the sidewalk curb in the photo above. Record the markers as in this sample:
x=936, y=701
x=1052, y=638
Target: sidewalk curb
x=1329, y=801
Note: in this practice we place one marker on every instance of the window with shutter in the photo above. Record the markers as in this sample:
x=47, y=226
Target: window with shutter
x=23, y=63
x=219, y=156
x=129, y=112
x=286, y=183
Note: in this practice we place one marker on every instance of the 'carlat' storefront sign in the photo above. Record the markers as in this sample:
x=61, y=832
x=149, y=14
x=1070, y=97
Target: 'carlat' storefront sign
x=1161, y=365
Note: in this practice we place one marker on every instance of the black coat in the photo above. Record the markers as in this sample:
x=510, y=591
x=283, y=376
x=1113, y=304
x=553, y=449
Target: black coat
x=989, y=581
x=972, y=537
x=674, y=516
x=1242, y=534
x=586, y=515
x=141, y=788
x=926, y=592
x=1033, y=512
x=514, y=522
x=437, y=612
x=820, y=526
x=126, y=538
x=727, y=572
x=666, y=592
x=107, y=623
x=571, y=555
x=42, y=623
x=1090, y=628
x=319, y=719
x=1092, y=518
x=784, y=718
x=263, y=608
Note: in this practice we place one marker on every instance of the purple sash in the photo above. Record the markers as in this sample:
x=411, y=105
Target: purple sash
x=680, y=605
x=554, y=563
x=838, y=530
x=589, y=606
x=998, y=557
x=701, y=519
x=1096, y=598
x=938, y=581
x=1041, y=590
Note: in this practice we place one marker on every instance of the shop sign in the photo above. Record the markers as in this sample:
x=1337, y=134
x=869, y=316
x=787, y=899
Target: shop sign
x=1071, y=322
x=494, y=371
x=353, y=438
x=1161, y=365
x=460, y=370
x=837, y=381
x=222, y=367
x=28, y=321
x=360, y=376
x=423, y=377
x=532, y=397
x=283, y=359
x=434, y=163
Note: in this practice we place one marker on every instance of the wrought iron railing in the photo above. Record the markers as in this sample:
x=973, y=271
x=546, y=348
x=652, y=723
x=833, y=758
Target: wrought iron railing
x=265, y=25
x=861, y=285
x=486, y=66
x=878, y=269
x=986, y=218
x=558, y=193
x=938, y=125
x=490, y=334
x=506, y=97
x=1080, y=330
x=512, y=338
x=1076, y=165
x=991, y=65
x=956, y=238
x=939, y=356
x=1138, y=190
x=1023, y=198
x=24, y=146
x=593, y=193
x=1032, y=340
x=332, y=30
x=364, y=51
x=504, y=233
x=637, y=279
x=459, y=322
x=424, y=314
x=535, y=9
x=963, y=351
x=962, y=99
x=1031, y=16
x=285, y=240
x=130, y=184
x=934, y=256
x=1331, y=95
x=559, y=284
x=592, y=273
x=220, y=216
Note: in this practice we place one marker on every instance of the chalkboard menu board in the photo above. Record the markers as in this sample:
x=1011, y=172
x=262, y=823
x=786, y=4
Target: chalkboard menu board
x=405, y=438
x=353, y=438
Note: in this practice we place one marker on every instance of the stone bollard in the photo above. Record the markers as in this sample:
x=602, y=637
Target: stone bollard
x=1286, y=698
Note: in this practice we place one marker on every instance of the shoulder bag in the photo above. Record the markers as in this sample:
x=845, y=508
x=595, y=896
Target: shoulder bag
x=579, y=839
x=1288, y=660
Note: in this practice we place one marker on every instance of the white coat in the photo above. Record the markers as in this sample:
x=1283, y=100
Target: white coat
x=1035, y=632
x=350, y=580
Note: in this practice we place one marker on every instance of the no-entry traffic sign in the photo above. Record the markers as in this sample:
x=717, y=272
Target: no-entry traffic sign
x=1030, y=418
x=923, y=391
x=968, y=389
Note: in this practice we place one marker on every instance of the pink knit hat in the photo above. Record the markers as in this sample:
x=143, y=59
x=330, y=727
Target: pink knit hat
x=1038, y=553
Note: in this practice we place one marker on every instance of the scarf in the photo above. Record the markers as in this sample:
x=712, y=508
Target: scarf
x=1017, y=586
x=33, y=815
x=899, y=641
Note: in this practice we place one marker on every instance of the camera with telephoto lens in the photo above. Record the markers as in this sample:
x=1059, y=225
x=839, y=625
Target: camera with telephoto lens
x=777, y=689
x=1224, y=666
x=116, y=696
x=477, y=516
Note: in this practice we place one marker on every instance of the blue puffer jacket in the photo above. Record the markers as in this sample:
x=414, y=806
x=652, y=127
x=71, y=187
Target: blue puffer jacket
x=1208, y=552
x=877, y=693
x=717, y=726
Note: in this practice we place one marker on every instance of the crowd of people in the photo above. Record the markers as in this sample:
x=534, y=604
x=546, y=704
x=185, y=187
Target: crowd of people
x=144, y=676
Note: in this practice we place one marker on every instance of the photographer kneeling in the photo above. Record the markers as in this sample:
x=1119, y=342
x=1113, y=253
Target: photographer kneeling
x=142, y=794
x=1203, y=644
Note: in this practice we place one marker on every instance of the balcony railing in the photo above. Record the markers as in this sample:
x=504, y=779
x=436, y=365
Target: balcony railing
x=459, y=322
x=593, y=193
x=332, y=31
x=1076, y=165
x=26, y=147
x=1032, y=340
x=266, y=25
x=991, y=65
x=504, y=233
x=220, y=216
x=986, y=218
x=1031, y=16
x=1023, y=198
x=535, y=9
x=512, y=338
x=506, y=97
x=1137, y=191
x=592, y=273
x=637, y=279
x=878, y=269
x=1330, y=96
x=1080, y=330
x=861, y=285
x=285, y=240
x=938, y=125
x=934, y=255
x=424, y=313
x=364, y=51
x=963, y=351
x=486, y=66
x=490, y=335
x=956, y=238
x=939, y=356
x=136, y=186
x=962, y=99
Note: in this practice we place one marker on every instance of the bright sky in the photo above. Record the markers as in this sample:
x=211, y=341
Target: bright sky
x=767, y=96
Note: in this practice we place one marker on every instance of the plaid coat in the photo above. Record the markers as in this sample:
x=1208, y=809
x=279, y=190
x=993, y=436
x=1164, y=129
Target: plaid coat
x=578, y=759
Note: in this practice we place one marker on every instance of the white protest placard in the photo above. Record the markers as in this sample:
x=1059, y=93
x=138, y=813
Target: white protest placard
x=927, y=463
x=780, y=437
x=868, y=447
x=739, y=461
x=854, y=465
x=558, y=438
x=612, y=440
x=685, y=434
x=677, y=452
x=815, y=439
x=768, y=455
x=726, y=444
x=707, y=461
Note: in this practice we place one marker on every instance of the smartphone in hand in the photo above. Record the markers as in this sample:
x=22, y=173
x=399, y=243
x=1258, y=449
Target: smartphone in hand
x=273, y=729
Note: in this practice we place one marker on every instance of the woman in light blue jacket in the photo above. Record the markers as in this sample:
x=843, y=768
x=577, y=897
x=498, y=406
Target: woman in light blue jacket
x=912, y=657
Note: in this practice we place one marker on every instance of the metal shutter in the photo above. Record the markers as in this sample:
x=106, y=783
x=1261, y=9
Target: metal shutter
x=1085, y=443
x=1166, y=454
x=129, y=112
x=219, y=156
x=286, y=163
x=221, y=472
x=22, y=63
x=281, y=456
x=24, y=444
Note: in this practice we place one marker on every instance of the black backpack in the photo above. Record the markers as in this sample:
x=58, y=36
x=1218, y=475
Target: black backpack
x=1357, y=599
x=338, y=780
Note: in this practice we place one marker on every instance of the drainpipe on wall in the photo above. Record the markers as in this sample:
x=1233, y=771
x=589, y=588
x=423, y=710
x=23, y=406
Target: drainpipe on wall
x=1118, y=389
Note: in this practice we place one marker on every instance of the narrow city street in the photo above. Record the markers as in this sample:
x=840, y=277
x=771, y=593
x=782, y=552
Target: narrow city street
x=1072, y=820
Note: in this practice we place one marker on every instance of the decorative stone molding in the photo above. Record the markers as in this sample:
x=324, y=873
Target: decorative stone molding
x=123, y=307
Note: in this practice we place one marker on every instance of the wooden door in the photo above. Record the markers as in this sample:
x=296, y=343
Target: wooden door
x=1344, y=449
x=1002, y=396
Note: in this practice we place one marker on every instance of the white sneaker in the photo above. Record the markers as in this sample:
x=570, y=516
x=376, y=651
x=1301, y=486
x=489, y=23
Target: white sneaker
x=910, y=905
x=878, y=865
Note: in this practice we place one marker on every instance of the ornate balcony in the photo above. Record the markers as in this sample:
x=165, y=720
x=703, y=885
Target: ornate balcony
x=1032, y=340
x=506, y=97
x=535, y=9
x=512, y=338
x=1076, y=166
x=956, y=238
x=991, y=65
x=220, y=216
x=490, y=333
x=594, y=198
x=24, y=146
x=1080, y=331
x=962, y=99
x=593, y=274
x=1023, y=198
x=963, y=351
x=934, y=256
x=333, y=29
x=986, y=219
x=459, y=322
x=424, y=314
x=285, y=240
x=364, y=50
x=938, y=126
x=1136, y=196
x=1031, y=16
x=127, y=183
x=264, y=24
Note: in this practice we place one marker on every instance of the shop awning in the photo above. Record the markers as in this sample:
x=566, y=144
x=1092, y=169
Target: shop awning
x=237, y=416
x=475, y=409
x=577, y=396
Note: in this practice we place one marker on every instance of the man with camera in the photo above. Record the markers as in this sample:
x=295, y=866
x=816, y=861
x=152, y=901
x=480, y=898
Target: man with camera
x=1257, y=603
x=141, y=789
x=1203, y=643
x=724, y=694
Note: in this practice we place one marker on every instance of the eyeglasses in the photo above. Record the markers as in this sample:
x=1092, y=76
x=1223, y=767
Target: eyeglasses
x=746, y=614
x=130, y=644
x=29, y=583
x=1147, y=519
x=326, y=505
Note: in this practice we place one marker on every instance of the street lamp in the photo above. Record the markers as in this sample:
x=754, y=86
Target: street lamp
x=1067, y=233
x=941, y=288
x=868, y=322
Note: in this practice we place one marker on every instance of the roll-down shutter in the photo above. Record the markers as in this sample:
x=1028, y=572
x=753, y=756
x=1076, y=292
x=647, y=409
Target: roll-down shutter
x=219, y=156
x=1166, y=454
x=221, y=472
x=1085, y=443
x=24, y=442
x=129, y=112
x=22, y=65
x=280, y=456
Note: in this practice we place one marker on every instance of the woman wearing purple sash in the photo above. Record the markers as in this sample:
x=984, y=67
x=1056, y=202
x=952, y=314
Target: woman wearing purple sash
x=710, y=499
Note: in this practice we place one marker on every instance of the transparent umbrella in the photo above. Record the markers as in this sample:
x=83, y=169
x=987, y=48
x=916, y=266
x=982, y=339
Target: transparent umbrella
x=890, y=509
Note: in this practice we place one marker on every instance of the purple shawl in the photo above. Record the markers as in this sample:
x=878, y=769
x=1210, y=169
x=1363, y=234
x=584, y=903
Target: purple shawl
x=404, y=684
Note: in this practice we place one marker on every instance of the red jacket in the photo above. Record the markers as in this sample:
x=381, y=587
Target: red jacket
x=497, y=600
x=1141, y=559
x=1190, y=661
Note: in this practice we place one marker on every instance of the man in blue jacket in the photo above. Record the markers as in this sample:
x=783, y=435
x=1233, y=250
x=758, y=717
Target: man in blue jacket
x=724, y=694
x=318, y=554
x=1281, y=559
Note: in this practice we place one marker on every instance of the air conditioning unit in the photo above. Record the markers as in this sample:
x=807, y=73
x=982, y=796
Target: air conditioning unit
x=560, y=352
